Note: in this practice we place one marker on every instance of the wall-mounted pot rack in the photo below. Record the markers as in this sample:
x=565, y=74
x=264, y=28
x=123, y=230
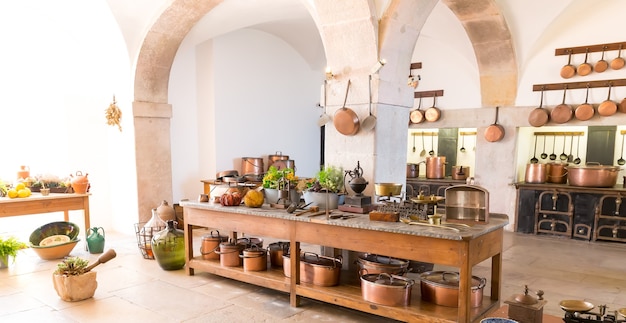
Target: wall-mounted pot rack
x=424, y=134
x=416, y=66
x=590, y=48
x=427, y=94
x=467, y=133
x=579, y=85
x=560, y=133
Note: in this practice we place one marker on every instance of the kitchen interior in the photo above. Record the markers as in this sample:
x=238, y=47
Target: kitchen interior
x=540, y=203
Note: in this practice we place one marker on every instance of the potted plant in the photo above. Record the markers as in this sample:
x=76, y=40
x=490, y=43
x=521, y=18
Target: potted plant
x=276, y=180
x=73, y=279
x=324, y=189
x=9, y=247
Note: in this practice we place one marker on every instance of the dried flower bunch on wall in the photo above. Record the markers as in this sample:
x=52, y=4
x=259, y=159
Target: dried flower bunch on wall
x=114, y=115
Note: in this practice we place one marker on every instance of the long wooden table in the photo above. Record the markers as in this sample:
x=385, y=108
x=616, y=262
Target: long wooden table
x=434, y=245
x=55, y=202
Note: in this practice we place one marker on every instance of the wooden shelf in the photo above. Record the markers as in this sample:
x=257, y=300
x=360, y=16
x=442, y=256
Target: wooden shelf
x=416, y=66
x=591, y=48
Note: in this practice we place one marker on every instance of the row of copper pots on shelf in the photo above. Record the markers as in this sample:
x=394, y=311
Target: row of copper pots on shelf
x=589, y=175
x=563, y=112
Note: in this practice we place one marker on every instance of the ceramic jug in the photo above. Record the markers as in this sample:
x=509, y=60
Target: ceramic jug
x=95, y=240
x=23, y=172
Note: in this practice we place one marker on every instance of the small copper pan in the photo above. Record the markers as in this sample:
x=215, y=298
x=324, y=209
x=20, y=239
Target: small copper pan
x=562, y=113
x=539, y=116
x=602, y=64
x=584, y=111
x=433, y=114
x=585, y=68
x=608, y=107
x=568, y=70
x=345, y=120
x=417, y=116
x=622, y=106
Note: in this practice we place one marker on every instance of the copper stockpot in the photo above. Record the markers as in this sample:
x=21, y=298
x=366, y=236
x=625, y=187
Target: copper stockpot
x=557, y=173
x=436, y=167
x=593, y=175
x=386, y=289
x=277, y=250
x=210, y=244
x=442, y=288
x=375, y=264
x=315, y=269
x=254, y=259
x=229, y=254
x=271, y=159
x=412, y=170
x=536, y=173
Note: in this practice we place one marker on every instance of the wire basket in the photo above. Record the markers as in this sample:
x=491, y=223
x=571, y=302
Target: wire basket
x=144, y=239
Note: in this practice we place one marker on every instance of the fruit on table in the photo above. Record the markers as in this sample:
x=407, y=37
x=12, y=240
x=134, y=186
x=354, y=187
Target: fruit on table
x=253, y=198
x=230, y=199
x=20, y=190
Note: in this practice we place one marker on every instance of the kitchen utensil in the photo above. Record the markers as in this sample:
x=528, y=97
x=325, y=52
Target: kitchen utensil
x=316, y=269
x=539, y=116
x=536, y=173
x=585, y=68
x=433, y=113
x=375, y=264
x=210, y=244
x=557, y=173
x=577, y=159
x=413, y=142
x=313, y=208
x=621, y=160
x=593, y=175
x=108, y=255
x=370, y=121
x=494, y=132
x=608, y=107
x=576, y=306
x=563, y=155
x=387, y=189
x=544, y=155
x=442, y=288
x=386, y=289
x=324, y=118
x=534, y=160
x=254, y=259
x=276, y=251
x=432, y=145
x=423, y=152
x=570, y=157
x=602, y=64
x=345, y=120
x=460, y=172
x=553, y=155
x=584, y=111
x=417, y=116
x=618, y=62
x=562, y=113
x=622, y=106
x=568, y=70
x=462, y=144
x=435, y=167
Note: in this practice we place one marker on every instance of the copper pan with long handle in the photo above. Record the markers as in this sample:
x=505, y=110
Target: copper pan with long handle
x=584, y=111
x=608, y=107
x=494, y=132
x=562, y=113
x=539, y=116
x=345, y=119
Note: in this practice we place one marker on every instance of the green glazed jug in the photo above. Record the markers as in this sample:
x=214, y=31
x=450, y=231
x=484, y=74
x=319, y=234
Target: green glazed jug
x=95, y=240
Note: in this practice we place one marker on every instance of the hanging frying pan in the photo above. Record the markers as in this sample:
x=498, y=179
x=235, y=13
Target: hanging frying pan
x=618, y=62
x=622, y=106
x=562, y=113
x=585, y=68
x=608, y=107
x=494, y=132
x=584, y=111
x=417, y=116
x=432, y=114
x=539, y=116
x=568, y=70
x=602, y=64
x=345, y=119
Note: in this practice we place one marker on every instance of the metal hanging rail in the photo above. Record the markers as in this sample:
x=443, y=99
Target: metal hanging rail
x=590, y=48
x=553, y=133
x=579, y=85
x=427, y=94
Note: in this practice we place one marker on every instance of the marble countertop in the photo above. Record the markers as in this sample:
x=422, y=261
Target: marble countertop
x=362, y=221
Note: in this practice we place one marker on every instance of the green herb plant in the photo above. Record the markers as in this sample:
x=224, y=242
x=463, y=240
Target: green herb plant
x=72, y=266
x=10, y=246
x=330, y=179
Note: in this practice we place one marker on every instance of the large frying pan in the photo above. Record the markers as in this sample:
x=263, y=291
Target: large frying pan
x=539, y=116
x=494, y=132
x=562, y=113
x=417, y=116
x=345, y=120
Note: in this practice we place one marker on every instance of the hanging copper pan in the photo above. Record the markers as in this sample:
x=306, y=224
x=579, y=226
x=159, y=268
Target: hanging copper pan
x=584, y=111
x=608, y=107
x=618, y=62
x=622, y=106
x=494, y=132
x=602, y=64
x=585, y=68
x=345, y=120
x=539, y=116
x=433, y=114
x=562, y=113
x=568, y=70
x=417, y=116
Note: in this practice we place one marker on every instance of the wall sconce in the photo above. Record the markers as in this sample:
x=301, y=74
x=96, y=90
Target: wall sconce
x=329, y=74
x=378, y=66
x=413, y=80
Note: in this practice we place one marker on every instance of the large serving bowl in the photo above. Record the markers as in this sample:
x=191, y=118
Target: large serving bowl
x=54, y=231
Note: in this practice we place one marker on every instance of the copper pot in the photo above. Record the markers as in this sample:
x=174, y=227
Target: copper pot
x=375, y=264
x=277, y=250
x=436, y=167
x=460, y=172
x=387, y=189
x=412, y=170
x=557, y=173
x=593, y=175
x=271, y=159
x=536, y=173
x=254, y=259
x=229, y=254
x=251, y=166
x=494, y=132
x=442, y=288
x=315, y=269
x=210, y=244
x=562, y=113
x=386, y=289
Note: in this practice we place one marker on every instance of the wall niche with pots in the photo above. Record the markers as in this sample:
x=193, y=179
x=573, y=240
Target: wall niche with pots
x=457, y=145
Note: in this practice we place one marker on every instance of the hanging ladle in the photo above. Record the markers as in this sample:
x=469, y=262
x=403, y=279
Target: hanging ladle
x=370, y=121
x=563, y=155
x=413, y=142
x=462, y=143
x=621, y=161
x=553, y=155
x=534, y=160
x=423, y=152
x=570, y=157
x=432, y=145
x=577, y=160
x=543, y=154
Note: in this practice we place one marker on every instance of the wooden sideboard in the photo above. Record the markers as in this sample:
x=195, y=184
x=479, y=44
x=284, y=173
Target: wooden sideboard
x=36, y=204
x=463, y=250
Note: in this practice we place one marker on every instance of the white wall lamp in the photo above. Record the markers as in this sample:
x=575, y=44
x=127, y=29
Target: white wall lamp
x=329, y=74
x=376, y=68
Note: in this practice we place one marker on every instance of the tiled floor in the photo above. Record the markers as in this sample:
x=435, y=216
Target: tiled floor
x=133, y=289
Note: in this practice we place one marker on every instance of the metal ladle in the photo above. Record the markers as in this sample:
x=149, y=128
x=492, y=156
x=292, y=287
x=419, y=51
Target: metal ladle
x=423, y=152
x=553, y=155
x=570, y=157
x=534, y=160
x=543, y=154
x=563, y=155
x=413, y=142
x=577, y=160
x=621, y=161
x=432, y=145
x=462, y=144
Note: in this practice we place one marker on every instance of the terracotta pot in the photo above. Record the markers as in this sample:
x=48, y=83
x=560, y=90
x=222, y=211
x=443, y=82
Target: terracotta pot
x=80, y=183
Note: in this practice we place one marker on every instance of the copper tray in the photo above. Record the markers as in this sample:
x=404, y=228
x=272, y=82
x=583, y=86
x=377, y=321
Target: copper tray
x=572, y=305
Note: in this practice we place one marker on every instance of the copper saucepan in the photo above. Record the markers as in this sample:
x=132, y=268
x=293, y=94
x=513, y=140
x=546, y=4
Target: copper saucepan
x=618, y=62
x=432, y=114
x=539, y=116
x=585, y=68
x=494, y=132
x=608, y=107
x=417, y=116
x=584, y=111
x=568, y=70
x=562, y=113
x=602, y=64
x=345, y=120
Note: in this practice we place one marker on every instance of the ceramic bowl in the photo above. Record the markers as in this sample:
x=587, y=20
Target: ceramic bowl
x=52, y=229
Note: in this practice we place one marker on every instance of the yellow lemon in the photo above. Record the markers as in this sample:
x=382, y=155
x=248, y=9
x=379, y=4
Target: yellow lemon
x=23, y=193
x=12, y=193
x=20, y=186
